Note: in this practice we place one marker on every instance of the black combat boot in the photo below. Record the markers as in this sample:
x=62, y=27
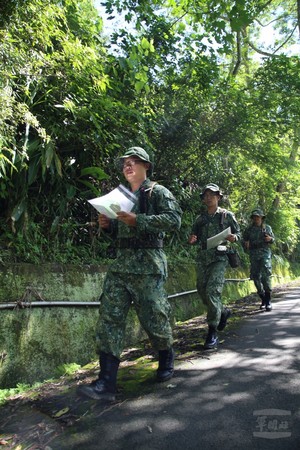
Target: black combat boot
x=212, y=340
x=106, y=386
x=165, y=369
x=268, y=301
x=226, y=313
x=263, y=301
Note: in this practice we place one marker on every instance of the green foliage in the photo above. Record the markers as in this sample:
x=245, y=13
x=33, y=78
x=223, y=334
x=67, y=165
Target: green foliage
x=6, y=393
x=182, y=85
x=67, y=369
x=61, y=371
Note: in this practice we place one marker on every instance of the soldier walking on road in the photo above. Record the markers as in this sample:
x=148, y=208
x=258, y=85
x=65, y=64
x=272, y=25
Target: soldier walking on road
x=137, y=276
x=257, y=239
x=212, y=263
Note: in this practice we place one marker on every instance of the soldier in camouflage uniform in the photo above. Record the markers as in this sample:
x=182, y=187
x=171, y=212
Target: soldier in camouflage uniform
x=257, y=239
x=137, y=276
x=212, y=263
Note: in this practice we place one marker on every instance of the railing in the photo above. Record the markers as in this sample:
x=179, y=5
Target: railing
x=43, y=303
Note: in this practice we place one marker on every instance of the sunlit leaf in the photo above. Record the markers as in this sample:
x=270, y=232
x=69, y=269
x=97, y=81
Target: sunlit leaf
x=61, y=412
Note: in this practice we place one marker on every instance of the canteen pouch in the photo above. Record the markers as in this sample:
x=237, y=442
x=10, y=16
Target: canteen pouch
x=233, y=258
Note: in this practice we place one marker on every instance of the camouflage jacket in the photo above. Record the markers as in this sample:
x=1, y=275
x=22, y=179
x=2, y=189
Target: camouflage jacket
x=139, y=249
x=257, y=246
x=207, y=226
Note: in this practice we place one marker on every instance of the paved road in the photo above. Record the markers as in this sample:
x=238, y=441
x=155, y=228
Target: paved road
x=245, y=396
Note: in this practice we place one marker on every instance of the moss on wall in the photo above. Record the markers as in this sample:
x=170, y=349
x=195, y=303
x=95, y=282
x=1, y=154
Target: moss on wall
x=35, y=341
x=51, y=282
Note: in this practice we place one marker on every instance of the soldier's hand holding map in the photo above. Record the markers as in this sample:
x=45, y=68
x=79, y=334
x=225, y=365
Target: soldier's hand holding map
x=216, y=240
x=120, y=199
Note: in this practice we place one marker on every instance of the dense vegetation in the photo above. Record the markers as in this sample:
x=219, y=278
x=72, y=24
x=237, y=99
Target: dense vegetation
x=187, y=80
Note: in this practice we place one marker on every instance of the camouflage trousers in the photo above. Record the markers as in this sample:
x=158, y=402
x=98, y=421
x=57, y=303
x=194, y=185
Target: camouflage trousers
x=210, y=283
x=260, y=273
x=147, y=295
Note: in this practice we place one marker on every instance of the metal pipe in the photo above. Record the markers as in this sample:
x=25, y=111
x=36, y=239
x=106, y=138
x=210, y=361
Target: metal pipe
x=41, y=303
x=20, y=304
x=181, y=294
x=236, y=280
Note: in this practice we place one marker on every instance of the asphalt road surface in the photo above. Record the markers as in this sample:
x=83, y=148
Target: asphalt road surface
x=244, y=396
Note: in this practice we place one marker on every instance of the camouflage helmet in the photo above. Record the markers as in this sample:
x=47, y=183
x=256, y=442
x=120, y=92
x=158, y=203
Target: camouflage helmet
x=140, y=153
x=211, y=187
x=257, y=212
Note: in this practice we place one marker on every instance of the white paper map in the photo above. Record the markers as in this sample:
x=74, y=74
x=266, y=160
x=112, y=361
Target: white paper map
x=218, y=238
x=120, y=199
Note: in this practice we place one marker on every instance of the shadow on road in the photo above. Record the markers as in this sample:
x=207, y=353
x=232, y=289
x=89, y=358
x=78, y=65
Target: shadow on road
x=245, y=395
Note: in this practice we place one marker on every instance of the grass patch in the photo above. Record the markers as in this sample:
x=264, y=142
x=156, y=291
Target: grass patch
x=5, y=394
x=138, y=375
x=66, y=369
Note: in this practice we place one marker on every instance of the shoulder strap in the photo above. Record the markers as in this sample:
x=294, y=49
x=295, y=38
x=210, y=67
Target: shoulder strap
x=222, y=217
x=145, y=195
x=152, y=183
